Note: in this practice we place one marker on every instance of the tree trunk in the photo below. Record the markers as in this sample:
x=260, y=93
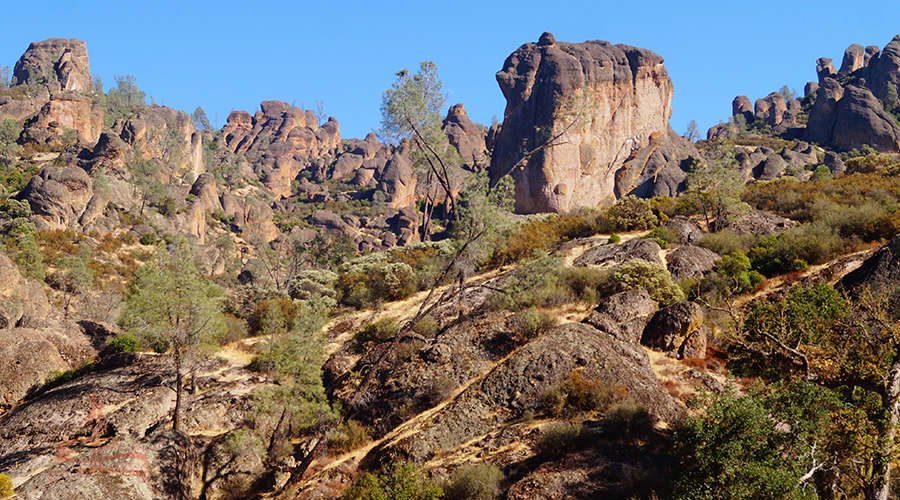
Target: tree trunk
x=881, y=474
x=176, y=420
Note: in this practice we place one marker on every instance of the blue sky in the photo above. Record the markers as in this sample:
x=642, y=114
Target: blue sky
x=230, y=55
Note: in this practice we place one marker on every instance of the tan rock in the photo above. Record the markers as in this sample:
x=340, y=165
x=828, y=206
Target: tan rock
x=596, y=101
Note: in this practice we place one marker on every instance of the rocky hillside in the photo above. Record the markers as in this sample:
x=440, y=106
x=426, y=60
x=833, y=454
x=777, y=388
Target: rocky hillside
x=573, y=303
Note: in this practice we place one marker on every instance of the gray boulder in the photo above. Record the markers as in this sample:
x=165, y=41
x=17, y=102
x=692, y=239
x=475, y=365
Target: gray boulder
x=689, y=261
x=616, y=254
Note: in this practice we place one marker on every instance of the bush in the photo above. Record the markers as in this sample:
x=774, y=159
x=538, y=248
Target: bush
x=124, y=342
x=726, y=242
x=530, y=323
x=640, y=274
x=348, y=437
x=427, y=327
x=377, y=331
x=475, y=482
x=628, y=419
x=401, y=481
x=558, y=440
x=576, y=395
x=6, y=486
x=614, y=238
x=630, y=213
x=663, y=236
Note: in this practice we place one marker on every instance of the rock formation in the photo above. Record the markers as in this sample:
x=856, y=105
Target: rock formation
x=467, y=137
x=575, y=114
x=56, y=59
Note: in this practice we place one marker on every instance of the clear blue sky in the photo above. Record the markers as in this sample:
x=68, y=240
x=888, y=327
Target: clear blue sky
x=231, y=55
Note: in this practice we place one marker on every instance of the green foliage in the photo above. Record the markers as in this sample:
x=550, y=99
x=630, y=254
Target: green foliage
x=123, y=100
x=427, y=327
x=484, y=217
x=481, y=481
x=714, y=190
x=531, y=323
x=124, y=342
x=377, y=331
x=6, y=487
x=349, y=436
x=402, y=481
x=543, y=233
x=28, y=256
x=199, y=119
x=577, y=395
x=630, y=213
x=369, y=280
x=558, y=440
x=814, y=243
x=9, y=134
x=733, y=275
x=755, y=446
x=614, y=239
x=727, y=242
x=640, y=274
x=413, y=101
x=663, y=236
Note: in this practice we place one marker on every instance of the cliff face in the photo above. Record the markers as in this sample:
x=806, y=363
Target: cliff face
x=580, y=110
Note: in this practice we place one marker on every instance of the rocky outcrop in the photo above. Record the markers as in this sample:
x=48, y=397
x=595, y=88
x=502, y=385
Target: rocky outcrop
x=58, y=196
x=399, y=179
x=59, y=71
x=677, y=329
x=659, y=169
x=623, y=315
x=616, y=254
x=467, y=137
x=771, y=108
x=692, y=262
x=168, y=136
x=741, y=105
x=688, y=231
x=56, y=59
x=759, y=223
x=575, y=114
x=850, y=114
x=879, y=273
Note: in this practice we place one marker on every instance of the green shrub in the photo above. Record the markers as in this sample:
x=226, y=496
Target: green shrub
x=628, y=419
x=124, y=342
x=6, y=487
x=348, y=437
x=558, y=440
x=530, y=323
x=664, y=236
x=377, y=331
x=403, y=481
x=582, y=283
x=427, y=327
x=641, y=274
x=147, y=239
x=576, y=395
x=726, y=242
x=630, y=213
x=475, y=482
x=614, y=238
x=535, y=283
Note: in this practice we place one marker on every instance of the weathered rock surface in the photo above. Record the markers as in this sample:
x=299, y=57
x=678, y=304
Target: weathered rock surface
x=879, y=273
x=603, y=101
x=61, y=59
x=617, y=253
x=677, y=329
x=467, y=137
x=759, y=223
x=58, y=196
x=167, y=135
x=688, y=231
x=689, y=261
x=659, y=169
x=623, y=315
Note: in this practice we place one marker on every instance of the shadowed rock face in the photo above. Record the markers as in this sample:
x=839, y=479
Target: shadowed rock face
x=603, y=101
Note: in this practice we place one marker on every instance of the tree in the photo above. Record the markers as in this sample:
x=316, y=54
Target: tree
x=199, y=119
x=74, y=276
x=817, y=335
x=173, y=310
x=788, y=93
x=4, y=77
x=123, y=100
x=411, y=110
x=9, y=134
x=715, y=188
x=766, y=444
x=692, y=133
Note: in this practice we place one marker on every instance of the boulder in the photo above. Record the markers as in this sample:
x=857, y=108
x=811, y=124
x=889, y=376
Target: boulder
x=671, y=328
x=860, y=119
x=623, y=315
x=771, y=108
x=660, y=169
x=834, y=163
x=772, y=168
x=879, y=273
x=692, y=262
x=399, y=179
x=759, y=223
x=618, y=253
x=883, y=70
x=596, y=101
x=687, y=230
x=825, y=69
x=58, y=196
x=741, y=105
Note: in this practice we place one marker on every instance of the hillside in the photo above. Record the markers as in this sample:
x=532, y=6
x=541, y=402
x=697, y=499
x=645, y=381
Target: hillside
x=574, y=303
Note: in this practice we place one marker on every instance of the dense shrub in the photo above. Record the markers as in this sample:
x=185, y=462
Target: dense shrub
x=663, y=236
x=577, y=395
x=791, y=250
x=543, y=233
x=530, y=323
x=427, y=327
x=544, y=281
x=124, y=342
x=374, y=278
x=726, y=242
x=558, y=440
x=650, y=276
x=6, y=487
x=401, y=481
x=475, y=482
x=377, y=331
x=628, y=419
x=630, y=213
x=348, y=437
